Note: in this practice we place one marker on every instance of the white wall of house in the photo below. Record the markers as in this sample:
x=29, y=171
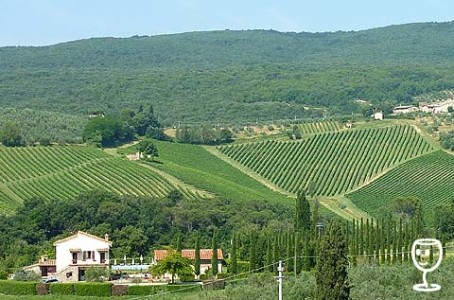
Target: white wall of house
x=88, y=255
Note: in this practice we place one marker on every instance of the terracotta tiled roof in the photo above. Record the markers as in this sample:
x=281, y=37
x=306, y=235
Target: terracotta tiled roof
x=81, y=233
x=205, y=254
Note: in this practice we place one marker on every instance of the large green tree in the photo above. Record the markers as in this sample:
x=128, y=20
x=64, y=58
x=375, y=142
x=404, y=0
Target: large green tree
x=147, y=149
x=173, y=263
x=332, y=262
x=10, y=135
x=105, y=131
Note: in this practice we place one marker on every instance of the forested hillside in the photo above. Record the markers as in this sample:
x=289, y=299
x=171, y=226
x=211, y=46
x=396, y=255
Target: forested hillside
x=232, y=76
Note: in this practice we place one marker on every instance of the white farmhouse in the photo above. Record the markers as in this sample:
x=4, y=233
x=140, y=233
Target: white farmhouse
x=74, y=255
x=78, y=252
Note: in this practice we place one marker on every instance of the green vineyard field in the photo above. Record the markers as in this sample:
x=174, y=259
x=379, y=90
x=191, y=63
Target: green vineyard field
x=62, y=172
x=429, y=177
x=330, y=163
x=198, y=167
x=320, y=127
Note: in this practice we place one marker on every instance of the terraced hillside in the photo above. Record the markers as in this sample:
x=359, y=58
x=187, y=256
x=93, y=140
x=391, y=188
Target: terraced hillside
x=429, y=177
x=62, y=172
x=330, y=163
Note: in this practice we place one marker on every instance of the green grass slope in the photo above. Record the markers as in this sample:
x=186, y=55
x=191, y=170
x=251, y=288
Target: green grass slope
x=330, y=163
x=63, y=172
x=198, y=167
x=429, y=177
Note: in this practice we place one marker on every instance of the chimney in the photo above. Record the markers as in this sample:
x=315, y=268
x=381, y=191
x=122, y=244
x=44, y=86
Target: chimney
x=106, y=237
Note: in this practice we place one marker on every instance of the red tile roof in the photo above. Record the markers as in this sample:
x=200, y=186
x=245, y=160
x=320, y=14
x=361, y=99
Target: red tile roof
x=205, y=254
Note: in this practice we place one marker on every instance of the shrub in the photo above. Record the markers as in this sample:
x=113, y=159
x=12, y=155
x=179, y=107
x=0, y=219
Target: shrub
x=93, y=289
x=96, y=274
x=42, y=288
x=22, y=275
x=214, y=284
x=9, y=287
x=62, y=289
x=136, y=280
x=119, y=290
x=186, y=277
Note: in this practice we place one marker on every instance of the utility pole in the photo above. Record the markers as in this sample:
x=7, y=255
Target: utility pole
x=280, y=269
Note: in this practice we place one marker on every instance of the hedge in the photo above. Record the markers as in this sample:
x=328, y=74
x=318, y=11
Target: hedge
x=93, y=289
x=154, y=289
x=62, y=288
x=145, y=289
x=186, y=287
x=11, y=287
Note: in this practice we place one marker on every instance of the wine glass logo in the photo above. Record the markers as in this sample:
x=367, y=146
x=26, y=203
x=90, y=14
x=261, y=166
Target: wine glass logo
x=423, y=261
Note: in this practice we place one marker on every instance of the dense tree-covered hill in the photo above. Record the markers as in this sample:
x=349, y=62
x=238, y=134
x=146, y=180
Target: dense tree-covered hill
x=412, y=43
x=232, y=75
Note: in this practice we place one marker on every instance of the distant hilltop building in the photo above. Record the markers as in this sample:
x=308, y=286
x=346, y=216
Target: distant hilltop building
x=404, y=109
x=434, y=107
x=437, y=107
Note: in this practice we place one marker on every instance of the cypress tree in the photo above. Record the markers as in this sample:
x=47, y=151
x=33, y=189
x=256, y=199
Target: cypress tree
x=353, y=243
x=388, y=241
x=307, y=252
x=197, y=256
x=214, y=257
x=290, y=252
x=382, y=242
x=331, y=271
x=361, y=235
x=367, y=242
x=372, y=239
x=399, y=242
x=233, y=256
x=315, y=219
x=269, y=255
x=394, y=242
x=252, y=253
x=179, y=245
x=275, y=253
x=298, y=263
x=302, y=212
x=406, y=244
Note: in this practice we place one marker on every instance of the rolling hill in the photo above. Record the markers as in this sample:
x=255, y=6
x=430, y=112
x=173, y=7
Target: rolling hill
x=330, y=164
x=232, y=76
x=429, y=177
x=350, y=171
x=62, y=172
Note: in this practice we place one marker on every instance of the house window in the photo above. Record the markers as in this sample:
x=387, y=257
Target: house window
x=88, y=255
x=74, y=258
x=102, y=257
